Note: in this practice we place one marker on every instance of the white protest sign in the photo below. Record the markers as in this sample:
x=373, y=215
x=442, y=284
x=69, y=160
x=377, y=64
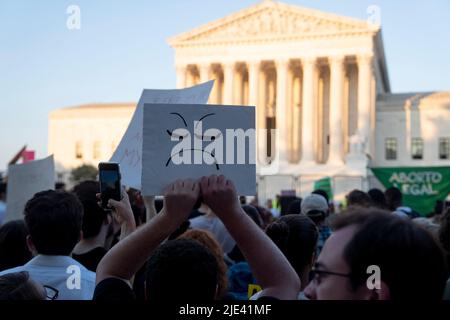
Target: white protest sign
x=191, y=141
x=24, y=180
x=129, y=151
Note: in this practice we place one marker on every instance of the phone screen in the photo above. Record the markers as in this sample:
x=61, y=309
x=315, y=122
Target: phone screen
x=109, y=184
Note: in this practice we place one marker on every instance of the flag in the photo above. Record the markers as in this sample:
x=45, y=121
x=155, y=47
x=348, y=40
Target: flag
x=421, y=186
x=325, y=185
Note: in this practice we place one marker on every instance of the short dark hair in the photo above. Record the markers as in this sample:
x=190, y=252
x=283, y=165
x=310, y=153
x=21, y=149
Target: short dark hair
x=394, y=197
x=402, y=251
x=54, y=221
x=377, y=198
x=358, y=198
x=93, y=214
x=295, y=207
x=296, y=236
x=60, y=186
x=182, y=269
x=13, y=245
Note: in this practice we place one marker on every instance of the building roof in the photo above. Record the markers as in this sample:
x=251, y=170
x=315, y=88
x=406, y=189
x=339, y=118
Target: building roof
x=95, y=109
x=276, y=21
x=414, y=100
x=273, y=19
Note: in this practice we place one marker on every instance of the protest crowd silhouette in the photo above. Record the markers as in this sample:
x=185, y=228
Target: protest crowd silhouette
x=203, y=242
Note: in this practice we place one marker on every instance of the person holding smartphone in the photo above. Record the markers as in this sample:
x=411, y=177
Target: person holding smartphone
x=113, y=197
x=102, y=220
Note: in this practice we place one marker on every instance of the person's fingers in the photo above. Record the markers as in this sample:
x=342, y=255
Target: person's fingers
x=188, y=184
x=168, y=189
x=230, y=184
x=196, y=190
x=178, y=184
x=221, y=180
x=113, y=203
x=204, y=183
x=212, y=180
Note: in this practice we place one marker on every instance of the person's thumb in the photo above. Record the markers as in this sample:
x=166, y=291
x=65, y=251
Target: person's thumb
x=114, y=203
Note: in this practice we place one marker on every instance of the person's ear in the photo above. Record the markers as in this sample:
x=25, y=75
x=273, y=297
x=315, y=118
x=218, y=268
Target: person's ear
x=31, y=246
x=383, y=293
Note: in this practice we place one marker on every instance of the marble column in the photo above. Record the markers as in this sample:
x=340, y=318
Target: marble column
x=336, y=110
x=254, y=74
x=364, y=97
x=282, y=152
x=308, y=65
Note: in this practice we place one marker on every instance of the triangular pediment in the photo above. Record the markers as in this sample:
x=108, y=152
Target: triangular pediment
x=270, y=19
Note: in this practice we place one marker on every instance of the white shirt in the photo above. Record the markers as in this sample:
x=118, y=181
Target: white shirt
x=217, y=228
x=70, y=278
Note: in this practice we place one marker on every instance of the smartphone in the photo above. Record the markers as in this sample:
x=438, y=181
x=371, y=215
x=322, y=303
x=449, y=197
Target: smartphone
x=110, y=186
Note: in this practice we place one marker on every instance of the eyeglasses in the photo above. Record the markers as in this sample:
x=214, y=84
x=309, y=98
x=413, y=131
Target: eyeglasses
x=51, y=293
x=317, y=275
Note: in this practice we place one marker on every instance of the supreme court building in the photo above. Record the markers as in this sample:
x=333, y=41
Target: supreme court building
x=319, y=79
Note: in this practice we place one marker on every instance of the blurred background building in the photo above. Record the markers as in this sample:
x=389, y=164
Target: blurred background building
x=319, y=79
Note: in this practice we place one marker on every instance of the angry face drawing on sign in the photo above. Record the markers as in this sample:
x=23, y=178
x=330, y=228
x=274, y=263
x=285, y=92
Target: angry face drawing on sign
x=187, y=147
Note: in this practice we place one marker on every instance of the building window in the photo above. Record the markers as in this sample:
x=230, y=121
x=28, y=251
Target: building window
x=391, y=148
x=417, y=148
x=97, y=151
x=79, y=150
x=444, y=148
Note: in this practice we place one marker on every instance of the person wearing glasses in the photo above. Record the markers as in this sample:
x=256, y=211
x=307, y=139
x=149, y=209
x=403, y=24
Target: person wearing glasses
x=374, y=255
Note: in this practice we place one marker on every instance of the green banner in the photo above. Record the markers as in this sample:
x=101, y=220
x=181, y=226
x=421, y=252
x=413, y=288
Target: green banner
x=325, y=185
x=421, y=186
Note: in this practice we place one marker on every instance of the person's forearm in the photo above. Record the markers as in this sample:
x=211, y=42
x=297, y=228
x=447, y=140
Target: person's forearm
x=127, y=228
x=127, y=256
x=267, y=262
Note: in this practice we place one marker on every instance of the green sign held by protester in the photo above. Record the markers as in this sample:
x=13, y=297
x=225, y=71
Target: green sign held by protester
x=325, y=185
x=420, y=186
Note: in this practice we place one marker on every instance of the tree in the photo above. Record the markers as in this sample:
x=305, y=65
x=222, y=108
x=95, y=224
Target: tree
x=83, y=172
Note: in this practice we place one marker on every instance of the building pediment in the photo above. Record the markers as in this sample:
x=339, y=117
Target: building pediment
x=271, y=20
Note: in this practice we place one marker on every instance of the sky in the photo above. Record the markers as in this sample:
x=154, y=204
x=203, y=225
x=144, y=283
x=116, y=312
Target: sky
x=121, y=48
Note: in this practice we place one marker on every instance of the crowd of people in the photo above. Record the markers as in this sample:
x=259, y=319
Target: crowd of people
x=203, y=242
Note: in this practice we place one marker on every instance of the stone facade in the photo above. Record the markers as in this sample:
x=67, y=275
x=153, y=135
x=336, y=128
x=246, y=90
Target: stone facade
x=319, y=79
